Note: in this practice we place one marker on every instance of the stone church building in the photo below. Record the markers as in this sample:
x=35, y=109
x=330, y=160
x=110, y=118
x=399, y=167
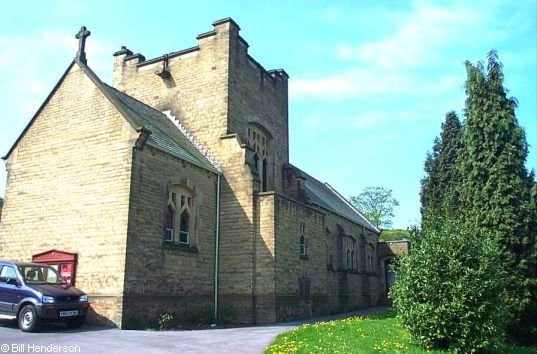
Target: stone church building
x=173, y=192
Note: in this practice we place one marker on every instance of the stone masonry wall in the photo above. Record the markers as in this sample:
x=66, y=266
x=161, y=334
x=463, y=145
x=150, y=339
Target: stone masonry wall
x=349, y=288
x=237, y=234
x=293, y=270
x=68, y=189
x=163, y=277
x=196, y=92
x=258, y=96
x=265, y=301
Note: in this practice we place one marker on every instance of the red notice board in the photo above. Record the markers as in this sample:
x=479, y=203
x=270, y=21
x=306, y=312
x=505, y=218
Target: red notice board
x=64, y=262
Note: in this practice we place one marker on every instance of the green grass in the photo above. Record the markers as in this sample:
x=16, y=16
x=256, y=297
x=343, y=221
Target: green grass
x=380, y=333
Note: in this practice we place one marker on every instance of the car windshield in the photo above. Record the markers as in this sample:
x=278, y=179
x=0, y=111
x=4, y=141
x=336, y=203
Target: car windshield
x=40, y=274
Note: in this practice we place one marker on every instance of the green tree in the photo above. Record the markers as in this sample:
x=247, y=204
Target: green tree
x=439, y=188
x=377, y=204
x=496, y=188
x=448, y=292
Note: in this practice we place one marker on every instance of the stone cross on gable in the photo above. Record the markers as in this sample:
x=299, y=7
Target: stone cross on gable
x=81, y=36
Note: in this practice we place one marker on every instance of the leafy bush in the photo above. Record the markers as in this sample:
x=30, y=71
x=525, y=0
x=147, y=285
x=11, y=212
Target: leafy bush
x=165, y=321
x=448, y=291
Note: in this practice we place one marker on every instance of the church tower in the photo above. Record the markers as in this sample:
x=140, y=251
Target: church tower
x=238, y=112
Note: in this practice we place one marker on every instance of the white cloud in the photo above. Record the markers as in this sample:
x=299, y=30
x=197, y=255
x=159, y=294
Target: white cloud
x=432, y=32
x=418, y=40
x=362, y=83
x=415, y=59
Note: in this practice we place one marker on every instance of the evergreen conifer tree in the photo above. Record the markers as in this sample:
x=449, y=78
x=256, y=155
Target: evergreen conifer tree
x=439, y=188
x=496, y=187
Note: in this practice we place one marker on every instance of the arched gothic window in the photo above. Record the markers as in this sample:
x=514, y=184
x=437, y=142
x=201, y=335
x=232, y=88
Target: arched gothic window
x=184, y=228
x=168, y=232
x=259, y=141
x=179, y=222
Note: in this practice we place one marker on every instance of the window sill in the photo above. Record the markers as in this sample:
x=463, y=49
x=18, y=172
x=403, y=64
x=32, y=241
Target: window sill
x=179, y=247
x=305, y=257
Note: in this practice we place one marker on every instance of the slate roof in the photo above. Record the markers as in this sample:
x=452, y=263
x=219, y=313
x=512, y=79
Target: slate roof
x=164, y=134
x=328, y=198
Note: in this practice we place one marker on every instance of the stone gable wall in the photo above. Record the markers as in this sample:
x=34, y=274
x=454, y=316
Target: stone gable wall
x=68, y=189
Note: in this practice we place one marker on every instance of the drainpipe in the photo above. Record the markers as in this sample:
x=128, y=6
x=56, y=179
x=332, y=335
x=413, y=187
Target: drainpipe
x=216, y=247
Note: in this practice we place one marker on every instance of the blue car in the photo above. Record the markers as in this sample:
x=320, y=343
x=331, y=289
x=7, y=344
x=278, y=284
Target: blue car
x=32, y=293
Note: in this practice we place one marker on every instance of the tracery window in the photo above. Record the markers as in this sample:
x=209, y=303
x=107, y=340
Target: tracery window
x=179, y=216
x=259, y=142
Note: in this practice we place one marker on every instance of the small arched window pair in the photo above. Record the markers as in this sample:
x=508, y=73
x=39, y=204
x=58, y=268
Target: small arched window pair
x=179, y=213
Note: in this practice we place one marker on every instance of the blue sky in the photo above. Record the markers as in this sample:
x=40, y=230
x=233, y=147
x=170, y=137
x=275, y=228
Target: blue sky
x=370, y=81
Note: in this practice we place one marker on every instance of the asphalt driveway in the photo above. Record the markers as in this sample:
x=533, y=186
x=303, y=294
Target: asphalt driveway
x=90, y=339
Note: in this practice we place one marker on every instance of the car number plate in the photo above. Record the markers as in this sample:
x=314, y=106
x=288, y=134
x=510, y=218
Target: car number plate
x=68, y=313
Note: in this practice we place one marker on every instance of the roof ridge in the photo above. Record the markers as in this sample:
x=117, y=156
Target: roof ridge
x=329, y=189
x=200, y=147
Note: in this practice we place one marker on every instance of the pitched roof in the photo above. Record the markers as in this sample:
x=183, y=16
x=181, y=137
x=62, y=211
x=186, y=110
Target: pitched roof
x=163, y=134
x=328, y=198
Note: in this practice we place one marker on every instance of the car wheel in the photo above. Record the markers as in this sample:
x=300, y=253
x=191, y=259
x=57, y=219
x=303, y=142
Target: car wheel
x=28, y=318
x=76, y=322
